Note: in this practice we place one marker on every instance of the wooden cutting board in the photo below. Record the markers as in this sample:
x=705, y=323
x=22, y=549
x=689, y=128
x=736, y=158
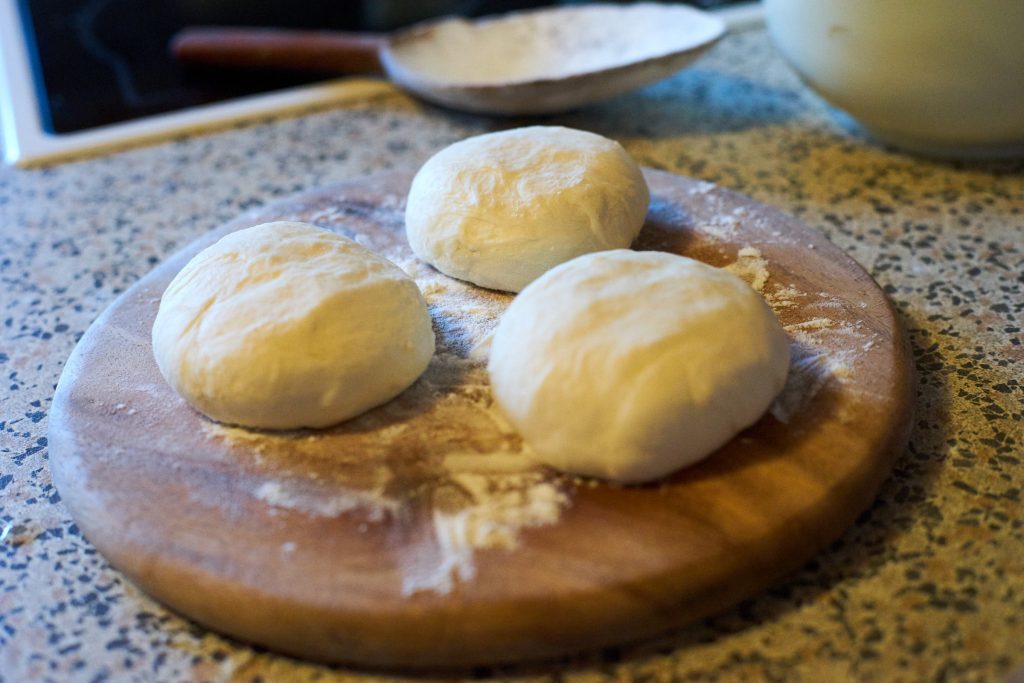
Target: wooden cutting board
x=418, y=535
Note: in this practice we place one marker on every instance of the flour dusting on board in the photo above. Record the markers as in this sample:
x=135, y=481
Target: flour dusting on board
x=750, y=266
x=504, y=504
x=440, y=470
x=505, y=490
x=814, y=359
x=440, y=451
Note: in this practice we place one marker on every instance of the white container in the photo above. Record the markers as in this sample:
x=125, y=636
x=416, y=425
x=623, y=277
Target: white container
x=943, y=77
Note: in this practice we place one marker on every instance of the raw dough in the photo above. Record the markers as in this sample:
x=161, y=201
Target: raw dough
x=500, y=209
x=286, y=325
x=628, y=365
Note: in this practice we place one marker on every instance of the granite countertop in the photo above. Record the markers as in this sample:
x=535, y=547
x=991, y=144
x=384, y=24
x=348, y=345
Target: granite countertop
x=927, y=585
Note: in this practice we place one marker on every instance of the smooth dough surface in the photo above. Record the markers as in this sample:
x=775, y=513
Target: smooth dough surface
x=629, y=365
x=501, y=209
x=286, y=325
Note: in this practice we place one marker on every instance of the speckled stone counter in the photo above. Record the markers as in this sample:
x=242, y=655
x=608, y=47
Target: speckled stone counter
x=929, y=583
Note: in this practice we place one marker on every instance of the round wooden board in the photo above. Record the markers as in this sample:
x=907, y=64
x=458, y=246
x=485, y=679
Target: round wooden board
x=338, y=545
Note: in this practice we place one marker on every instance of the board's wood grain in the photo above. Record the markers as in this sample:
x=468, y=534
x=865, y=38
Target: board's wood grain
x=171, y=501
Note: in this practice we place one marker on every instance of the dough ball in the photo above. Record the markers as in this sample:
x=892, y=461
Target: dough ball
x=628, y=365
x=501, y=209
x=286, y=325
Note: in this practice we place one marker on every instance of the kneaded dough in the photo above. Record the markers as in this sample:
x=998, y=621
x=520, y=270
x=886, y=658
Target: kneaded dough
x=629, y=365
x=500, y=209
x=286, y=325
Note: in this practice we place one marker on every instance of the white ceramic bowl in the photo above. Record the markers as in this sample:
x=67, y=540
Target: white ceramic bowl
x=943, y=77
